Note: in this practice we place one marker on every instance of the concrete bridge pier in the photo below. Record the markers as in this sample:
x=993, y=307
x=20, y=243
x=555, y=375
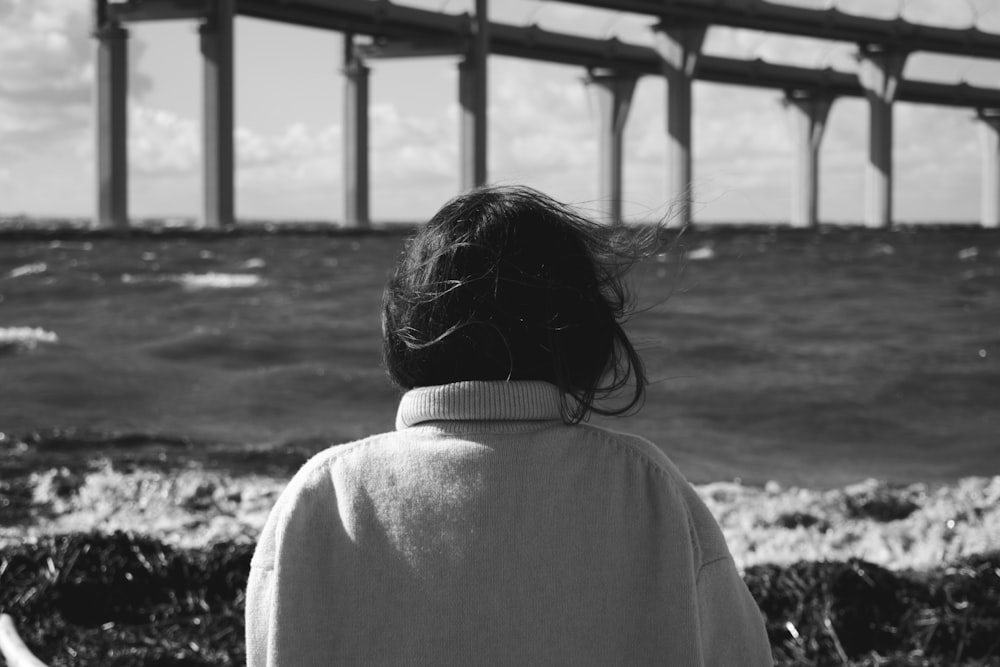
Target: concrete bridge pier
x=356, y=173
x=472, y=97
x=219, y=160
x=679, y=48
x=879, y=75
x=989, y=128
x=111, y=122
x=613, y=91
x=810, y=111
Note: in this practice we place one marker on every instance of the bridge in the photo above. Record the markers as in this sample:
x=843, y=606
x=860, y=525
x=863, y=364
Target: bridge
x=613, y=68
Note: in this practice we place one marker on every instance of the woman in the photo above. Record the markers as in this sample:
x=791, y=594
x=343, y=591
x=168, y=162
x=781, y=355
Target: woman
x=492, y=527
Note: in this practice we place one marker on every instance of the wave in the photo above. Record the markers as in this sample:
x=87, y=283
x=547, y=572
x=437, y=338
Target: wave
x=899, y=527
x=913, y=526
x=701, y=253
x=197, y=281
x=27, y=270
x=201, y=281
x=25, y=338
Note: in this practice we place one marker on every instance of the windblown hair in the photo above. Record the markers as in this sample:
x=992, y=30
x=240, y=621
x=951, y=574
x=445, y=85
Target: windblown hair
x=505, y=283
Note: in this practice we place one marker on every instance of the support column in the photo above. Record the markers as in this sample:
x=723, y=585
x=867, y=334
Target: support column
x=679, y=48
x=613, y=91
x=810, y=111
x=879, y=74
x=111, y=122
x=989, y=129
x=219, y=161
x=472, y=95
x=356, y=172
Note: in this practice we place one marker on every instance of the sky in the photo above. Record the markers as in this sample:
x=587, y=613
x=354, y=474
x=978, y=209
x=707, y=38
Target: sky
x=543, y=122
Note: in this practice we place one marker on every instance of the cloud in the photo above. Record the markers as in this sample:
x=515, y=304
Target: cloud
x=950, y=13
x=543, y=128
x=162, y=143
x=541, y=119
x=777, y=48
x=281, y=174
x=409, y=150
x=46, y=74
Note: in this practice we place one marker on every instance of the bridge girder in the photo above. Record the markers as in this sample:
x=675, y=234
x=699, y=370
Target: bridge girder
x=832, y=24
x=388, y=21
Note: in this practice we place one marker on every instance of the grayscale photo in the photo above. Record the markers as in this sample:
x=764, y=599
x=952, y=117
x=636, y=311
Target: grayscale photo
x=499, y=333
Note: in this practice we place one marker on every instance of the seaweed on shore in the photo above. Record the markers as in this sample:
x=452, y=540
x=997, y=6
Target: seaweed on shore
x=858, y=613
x=123, y=600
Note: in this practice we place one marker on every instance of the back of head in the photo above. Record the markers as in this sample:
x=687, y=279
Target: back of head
x=508, y=284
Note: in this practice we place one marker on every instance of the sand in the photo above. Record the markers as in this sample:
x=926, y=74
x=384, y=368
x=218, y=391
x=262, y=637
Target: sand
x=912, y=527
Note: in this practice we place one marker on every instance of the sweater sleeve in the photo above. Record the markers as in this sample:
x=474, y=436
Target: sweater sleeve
x=258, y=604
x=287, y=623
x=732, y=626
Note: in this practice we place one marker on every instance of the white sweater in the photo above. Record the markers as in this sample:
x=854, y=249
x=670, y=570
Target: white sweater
x=484, y=531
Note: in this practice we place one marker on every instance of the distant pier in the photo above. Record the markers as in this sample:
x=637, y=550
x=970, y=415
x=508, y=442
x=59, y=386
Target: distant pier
x=613, y=67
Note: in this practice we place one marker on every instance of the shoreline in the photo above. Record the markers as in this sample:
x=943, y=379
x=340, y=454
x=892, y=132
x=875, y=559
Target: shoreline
x=899, y=527
x=149, y=566
x=14, y=230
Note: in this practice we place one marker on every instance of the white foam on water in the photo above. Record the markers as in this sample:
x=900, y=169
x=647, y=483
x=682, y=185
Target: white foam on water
x=26, y=338
x=28, y=270
x=196, y=508
x=702, y=253
x=947, y=523
x=218, y=280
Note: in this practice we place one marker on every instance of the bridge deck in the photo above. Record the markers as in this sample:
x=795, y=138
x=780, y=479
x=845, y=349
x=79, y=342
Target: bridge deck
x=831, y=23
x=455, y=31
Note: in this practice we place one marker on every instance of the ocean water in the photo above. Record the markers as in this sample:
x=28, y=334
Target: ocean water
x=810, y=358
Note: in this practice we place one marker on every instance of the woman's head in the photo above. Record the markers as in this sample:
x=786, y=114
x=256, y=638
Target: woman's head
x=508, y=284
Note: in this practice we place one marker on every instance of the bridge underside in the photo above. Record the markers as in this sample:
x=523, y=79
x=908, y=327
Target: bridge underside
x=613, y=66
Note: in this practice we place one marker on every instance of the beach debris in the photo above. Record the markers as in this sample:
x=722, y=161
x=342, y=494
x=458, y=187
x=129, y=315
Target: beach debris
x=966, y=254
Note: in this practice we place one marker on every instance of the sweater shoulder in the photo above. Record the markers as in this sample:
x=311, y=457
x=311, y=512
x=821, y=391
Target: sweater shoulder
x=319, y=466
x=643, y=450
x=314, y=480
x=706, y=534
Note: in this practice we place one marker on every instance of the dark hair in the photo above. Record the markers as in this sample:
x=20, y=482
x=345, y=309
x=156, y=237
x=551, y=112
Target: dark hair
x=505, y=283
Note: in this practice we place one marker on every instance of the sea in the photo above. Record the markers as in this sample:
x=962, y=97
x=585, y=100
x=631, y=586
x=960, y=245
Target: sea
x=811, y=358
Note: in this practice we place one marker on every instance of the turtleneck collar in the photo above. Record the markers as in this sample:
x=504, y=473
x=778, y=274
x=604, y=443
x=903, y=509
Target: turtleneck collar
x=480, y=401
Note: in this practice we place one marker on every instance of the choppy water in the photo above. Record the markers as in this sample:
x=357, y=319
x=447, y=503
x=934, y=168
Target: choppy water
x=809, y=358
